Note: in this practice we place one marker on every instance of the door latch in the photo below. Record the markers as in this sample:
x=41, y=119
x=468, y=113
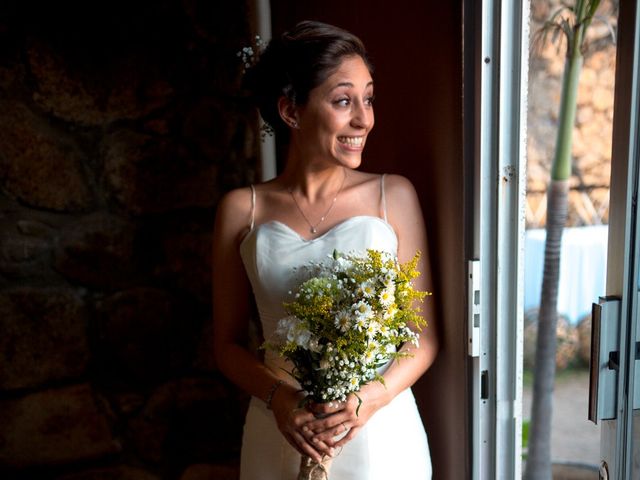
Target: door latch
x=605, y=359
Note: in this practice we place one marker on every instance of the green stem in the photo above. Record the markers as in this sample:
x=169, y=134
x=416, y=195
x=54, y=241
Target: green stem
x=568, y=105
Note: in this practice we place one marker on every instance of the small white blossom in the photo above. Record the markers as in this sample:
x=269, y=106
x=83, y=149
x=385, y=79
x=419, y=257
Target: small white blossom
x=363, y=310
x=285, y=329
x=390, y=312
x=372, y=329
x=384, y=331
x=366, y=289
x=361, y=324
x=302, y=337
x=314, y=344
x=387, y=296
x=343, y=321
x=368, y=357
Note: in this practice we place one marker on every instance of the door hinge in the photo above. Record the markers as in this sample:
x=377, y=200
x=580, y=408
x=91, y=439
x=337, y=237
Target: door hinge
x=473, y=302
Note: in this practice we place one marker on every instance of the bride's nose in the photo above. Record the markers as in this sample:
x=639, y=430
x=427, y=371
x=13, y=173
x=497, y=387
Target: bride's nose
x=362, y=116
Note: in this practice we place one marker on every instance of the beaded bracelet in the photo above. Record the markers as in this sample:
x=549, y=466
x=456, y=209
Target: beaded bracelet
x=272, y=392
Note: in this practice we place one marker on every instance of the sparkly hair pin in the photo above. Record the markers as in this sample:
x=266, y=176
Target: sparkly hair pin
x=249, y=56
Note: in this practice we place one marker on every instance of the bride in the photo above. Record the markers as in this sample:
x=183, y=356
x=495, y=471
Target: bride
x=313, y=86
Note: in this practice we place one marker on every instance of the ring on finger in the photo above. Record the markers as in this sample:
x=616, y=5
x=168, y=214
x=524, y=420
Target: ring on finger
x=344, y=426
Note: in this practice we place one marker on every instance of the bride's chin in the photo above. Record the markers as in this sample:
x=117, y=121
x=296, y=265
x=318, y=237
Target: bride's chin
x=351, y=162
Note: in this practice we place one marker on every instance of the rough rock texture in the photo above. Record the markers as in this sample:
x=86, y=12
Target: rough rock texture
x=40, y=164
x=97, y=250
x=53, y=427
x=121, y=126
x=26, y=242
x=150, y=175
x=139, y=332
x=211, y=472
x=78, y=92
x=44, y=336
x=113, y=473
x=190, y=418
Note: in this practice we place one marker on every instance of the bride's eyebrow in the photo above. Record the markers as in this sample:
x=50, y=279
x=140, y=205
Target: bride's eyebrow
x=350, y=85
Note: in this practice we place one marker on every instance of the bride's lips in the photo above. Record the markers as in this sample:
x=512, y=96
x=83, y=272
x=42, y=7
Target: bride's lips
x=355, y=143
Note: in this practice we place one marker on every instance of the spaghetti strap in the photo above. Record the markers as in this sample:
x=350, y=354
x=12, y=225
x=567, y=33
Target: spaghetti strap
x=383, y=200
x=253, y=207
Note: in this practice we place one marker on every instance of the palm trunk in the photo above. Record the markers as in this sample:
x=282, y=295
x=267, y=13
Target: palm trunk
x=539, y=457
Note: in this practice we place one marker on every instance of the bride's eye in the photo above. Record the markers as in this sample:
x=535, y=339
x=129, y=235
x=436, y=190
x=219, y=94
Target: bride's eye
x=342, y=102
x=369, y=100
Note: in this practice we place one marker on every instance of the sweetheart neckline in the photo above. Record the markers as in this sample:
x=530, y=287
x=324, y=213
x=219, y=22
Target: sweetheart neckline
x=323, y=235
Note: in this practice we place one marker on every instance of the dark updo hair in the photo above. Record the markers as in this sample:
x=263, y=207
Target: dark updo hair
x=297, y=62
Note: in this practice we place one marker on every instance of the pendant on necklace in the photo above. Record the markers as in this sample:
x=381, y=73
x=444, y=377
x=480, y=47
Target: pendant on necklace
x=313, y=230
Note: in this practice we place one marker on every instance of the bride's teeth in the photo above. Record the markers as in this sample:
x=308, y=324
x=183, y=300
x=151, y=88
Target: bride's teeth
x=353, y=141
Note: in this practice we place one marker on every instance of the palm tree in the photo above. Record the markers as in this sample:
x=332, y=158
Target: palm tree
x=570, y=23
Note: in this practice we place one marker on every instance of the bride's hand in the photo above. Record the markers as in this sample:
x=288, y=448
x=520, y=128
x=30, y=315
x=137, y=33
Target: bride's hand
x=293, y=420
x=340, y=423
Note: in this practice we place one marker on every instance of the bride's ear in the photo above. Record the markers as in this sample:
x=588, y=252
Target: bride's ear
x=288, y=112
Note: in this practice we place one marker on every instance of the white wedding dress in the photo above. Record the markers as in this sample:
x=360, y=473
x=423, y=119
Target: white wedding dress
x=393, y=443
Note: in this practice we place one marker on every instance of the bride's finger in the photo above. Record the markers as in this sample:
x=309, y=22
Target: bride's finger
x=327, y=408
x=301, y=416
x=329, y=423
x=348, y=437
x=322, y=447
x=305, y=448
x=332, y=435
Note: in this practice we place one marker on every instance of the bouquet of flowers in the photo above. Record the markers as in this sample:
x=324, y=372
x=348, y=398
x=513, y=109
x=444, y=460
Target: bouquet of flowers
x=348, y=318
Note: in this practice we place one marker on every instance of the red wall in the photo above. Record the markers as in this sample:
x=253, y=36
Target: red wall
x=416, y=48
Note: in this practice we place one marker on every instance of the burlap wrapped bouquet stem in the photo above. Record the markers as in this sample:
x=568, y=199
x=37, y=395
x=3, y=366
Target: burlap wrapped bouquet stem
x=311, y=470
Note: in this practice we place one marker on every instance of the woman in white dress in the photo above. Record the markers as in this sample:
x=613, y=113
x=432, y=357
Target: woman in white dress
x=313, y=85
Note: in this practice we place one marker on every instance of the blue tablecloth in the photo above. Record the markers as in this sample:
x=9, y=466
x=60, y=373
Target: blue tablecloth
x=583, y=267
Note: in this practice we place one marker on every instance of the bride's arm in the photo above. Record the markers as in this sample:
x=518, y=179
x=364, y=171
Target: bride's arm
x=405, y=215
x=231, y=291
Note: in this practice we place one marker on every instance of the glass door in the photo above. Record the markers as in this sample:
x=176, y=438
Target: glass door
x=574, y=440
x=615, y=373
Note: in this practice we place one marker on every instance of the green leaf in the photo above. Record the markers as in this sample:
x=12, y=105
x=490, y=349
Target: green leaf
x=359, y=404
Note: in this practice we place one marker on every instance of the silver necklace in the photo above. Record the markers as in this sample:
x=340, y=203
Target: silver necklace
x=313, y=228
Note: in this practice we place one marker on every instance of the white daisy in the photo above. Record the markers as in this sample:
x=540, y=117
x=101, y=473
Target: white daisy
x=390, y=312
x=363, y=310
x=367, y=289
x=343, y=321
x=387, y=296
x=372, y=329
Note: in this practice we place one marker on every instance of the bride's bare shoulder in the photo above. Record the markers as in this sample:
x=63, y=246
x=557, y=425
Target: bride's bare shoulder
x=233, y=216
x=236, y=201
x=393, y=184
x=398, y=185
x=237, y=208
x=359, y=178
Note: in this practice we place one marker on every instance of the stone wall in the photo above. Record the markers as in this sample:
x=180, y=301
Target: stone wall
x=120, y=127
x=589, y=196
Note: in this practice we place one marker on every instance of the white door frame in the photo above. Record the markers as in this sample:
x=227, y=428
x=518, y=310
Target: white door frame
x=495, y=88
